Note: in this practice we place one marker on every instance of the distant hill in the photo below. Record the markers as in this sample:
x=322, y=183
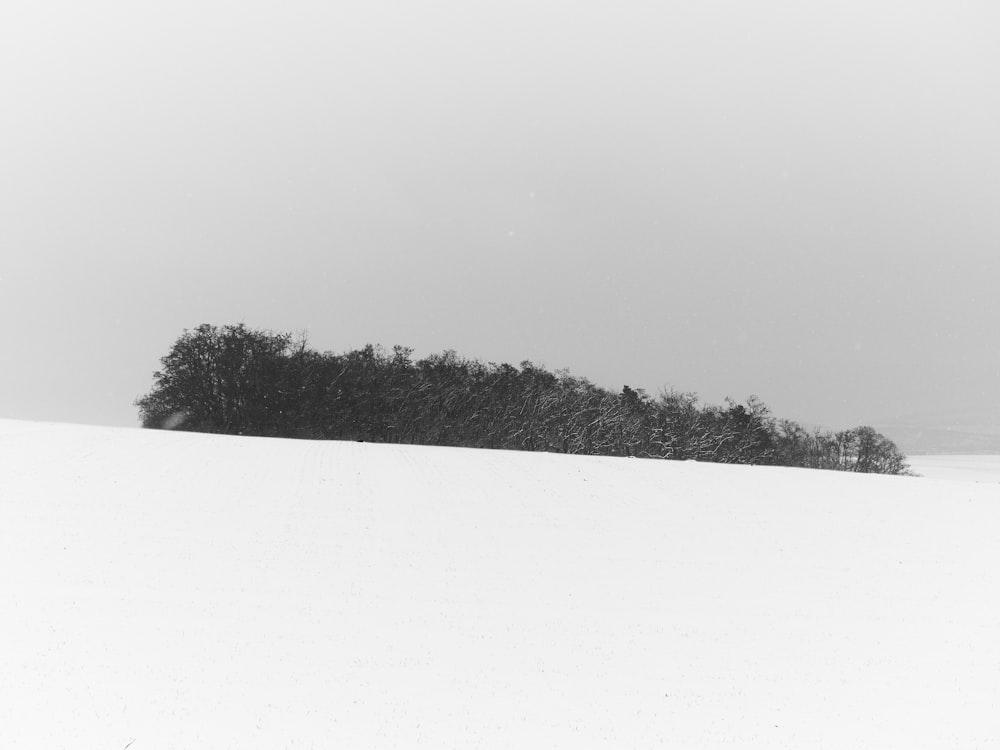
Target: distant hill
x=972, y=468
x=960, y=432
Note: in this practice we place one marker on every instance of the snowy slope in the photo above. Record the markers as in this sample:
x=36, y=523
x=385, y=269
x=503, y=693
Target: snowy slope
x=193, y=591
x=972, y=468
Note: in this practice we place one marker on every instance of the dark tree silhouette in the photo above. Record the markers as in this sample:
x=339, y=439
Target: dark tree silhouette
x=228, y=380
x=240, y=381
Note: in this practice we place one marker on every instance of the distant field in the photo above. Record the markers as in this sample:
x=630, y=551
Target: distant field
x=968, y=468
x=164, y=591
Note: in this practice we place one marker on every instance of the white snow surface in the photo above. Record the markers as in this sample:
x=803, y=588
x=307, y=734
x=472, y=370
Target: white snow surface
x=971, y=468
x=193, y=591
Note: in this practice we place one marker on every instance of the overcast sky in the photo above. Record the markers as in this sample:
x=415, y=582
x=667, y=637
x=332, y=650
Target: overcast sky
x=799, y=200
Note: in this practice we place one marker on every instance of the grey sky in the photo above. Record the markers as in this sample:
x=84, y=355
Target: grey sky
x=792, y=199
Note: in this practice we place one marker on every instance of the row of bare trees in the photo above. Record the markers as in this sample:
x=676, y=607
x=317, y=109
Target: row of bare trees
x=236, y=380
x=860, y=449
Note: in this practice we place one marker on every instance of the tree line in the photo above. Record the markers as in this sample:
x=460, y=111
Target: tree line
x=240, y=381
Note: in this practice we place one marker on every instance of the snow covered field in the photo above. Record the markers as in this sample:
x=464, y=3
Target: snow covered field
x=191, y=591
x=967, y=468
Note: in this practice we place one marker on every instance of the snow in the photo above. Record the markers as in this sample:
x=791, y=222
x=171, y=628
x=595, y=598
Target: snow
x=970, y=468
x=194, y=591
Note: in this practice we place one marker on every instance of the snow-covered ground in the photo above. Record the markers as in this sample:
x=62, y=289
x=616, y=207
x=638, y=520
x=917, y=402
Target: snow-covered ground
x=967, y=468
x=191, y=591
